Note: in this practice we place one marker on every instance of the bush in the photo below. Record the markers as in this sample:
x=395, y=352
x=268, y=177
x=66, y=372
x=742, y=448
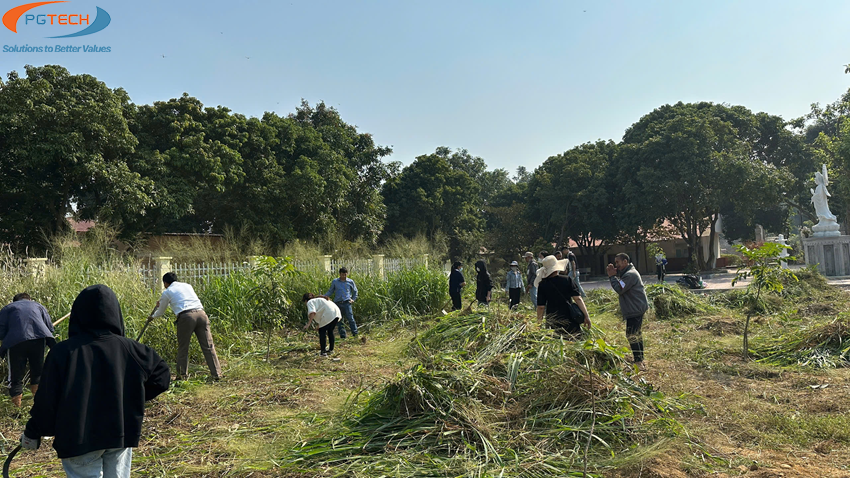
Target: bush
x=732, y=260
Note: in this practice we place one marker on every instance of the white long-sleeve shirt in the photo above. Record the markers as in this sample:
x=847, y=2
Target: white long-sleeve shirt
x=179, y=296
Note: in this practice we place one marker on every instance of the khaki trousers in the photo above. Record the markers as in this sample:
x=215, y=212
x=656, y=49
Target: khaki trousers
x=197, y=322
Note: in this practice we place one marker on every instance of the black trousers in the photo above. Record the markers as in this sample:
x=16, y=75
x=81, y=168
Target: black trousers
x=514, y=295
x=326, y=334
x=633, y=325
x=32, y=352
x=660, y=271
x=456, y=302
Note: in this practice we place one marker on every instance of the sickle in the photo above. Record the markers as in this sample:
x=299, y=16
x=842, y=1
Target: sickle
x=9, y=461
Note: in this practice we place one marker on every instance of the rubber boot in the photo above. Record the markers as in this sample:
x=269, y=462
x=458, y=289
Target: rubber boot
x=16, y=400
x=33, y=389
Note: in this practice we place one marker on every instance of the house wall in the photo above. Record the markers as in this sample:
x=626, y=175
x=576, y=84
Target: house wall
x=676, y=251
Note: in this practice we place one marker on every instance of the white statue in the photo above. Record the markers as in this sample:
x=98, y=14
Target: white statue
x=781, y=240
x=827, y=222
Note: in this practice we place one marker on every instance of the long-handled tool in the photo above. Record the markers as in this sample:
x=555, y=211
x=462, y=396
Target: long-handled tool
x=147, y=322
x=9, y=461
x=60, y=320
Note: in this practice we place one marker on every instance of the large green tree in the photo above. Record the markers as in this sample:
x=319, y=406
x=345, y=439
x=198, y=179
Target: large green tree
x=571, y=198
x=64, y=149
x=688, y=160
x=431, y=196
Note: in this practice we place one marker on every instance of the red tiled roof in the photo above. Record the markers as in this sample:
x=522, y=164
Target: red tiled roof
x=81, y=226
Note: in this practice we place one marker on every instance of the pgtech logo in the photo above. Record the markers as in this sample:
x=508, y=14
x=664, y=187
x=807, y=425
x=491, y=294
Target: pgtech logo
x=40, y=19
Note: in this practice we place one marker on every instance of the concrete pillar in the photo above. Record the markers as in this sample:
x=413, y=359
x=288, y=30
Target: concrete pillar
x=36, y=266
x=327, y=259
x=378, y=265
x=161, y=266
x=425, y=259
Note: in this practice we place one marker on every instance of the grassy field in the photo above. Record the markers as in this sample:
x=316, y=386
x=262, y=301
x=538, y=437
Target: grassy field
x=491, y=393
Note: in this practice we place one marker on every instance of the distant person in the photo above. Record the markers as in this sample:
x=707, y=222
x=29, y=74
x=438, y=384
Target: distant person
x=456, y=285
x=483, y=284
x=573, y=269
x=191, y=319
x=513, y=284
x=660, y=266
x=25, y=329
x=344, y=292
x=627, y=283
x=326, y=314
x=531, y=274
x=541, y=255
x=555, y=296
x=94, y=389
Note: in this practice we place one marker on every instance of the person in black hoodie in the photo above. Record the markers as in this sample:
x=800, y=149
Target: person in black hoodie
x=483, y=285
x=93, y=390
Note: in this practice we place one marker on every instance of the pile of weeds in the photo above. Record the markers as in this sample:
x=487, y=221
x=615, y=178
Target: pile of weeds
x=818, y=345
x=603, y=299
x=496, y=397
x=672, y=302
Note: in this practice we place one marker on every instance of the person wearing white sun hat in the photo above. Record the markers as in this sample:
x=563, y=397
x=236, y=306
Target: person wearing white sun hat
x=555, y=297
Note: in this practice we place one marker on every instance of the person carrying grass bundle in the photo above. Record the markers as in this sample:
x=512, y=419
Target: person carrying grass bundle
x=557, y=299
x=483, y=285
x=627, y=283
x=326, y=314
x=25, y=328
x=191, y=318
x=94, y=389
x=344, y=293
x=456, y=284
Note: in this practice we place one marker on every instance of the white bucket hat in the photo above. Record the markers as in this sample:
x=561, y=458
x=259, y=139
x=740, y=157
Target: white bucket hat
x=549, y=265
x=514, y=263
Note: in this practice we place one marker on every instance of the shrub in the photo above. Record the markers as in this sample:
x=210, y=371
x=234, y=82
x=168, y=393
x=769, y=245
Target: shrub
x=732, y=260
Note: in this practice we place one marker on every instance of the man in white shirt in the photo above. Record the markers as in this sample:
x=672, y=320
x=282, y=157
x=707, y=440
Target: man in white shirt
x=191, y=318
x=326, y=314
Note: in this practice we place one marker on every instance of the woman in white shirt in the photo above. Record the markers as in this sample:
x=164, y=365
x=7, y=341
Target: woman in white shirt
x=326, y=314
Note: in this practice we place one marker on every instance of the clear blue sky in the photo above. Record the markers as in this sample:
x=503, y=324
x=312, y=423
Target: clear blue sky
x=512, y=82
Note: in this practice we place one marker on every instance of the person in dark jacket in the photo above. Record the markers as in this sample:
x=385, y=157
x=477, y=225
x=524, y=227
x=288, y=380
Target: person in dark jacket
x=25, y=328
x=555, y=295
x=456, y=284
x=627, y=283
x=94, y=389
x=484, y=285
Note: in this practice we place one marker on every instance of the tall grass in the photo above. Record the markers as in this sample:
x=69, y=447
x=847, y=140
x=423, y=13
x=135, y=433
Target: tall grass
x=235, y=320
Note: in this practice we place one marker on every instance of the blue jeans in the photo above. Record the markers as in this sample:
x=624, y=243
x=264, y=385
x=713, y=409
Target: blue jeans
x=532, y=292
x=110, y=463
x=347, y=315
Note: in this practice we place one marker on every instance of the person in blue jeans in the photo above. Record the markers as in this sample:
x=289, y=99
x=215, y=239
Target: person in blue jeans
x=93, y=390
x=343, y=291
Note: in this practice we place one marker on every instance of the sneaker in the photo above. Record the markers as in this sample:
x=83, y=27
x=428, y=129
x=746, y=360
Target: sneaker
x=330, y=352
x=323, y=354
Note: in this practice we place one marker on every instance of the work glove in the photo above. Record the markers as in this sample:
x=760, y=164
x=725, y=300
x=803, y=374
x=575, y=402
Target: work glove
x=28, y=443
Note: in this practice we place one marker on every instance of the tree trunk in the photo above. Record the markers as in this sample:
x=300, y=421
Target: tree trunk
x=746, y=338
x=561, y=239
x=712, y=235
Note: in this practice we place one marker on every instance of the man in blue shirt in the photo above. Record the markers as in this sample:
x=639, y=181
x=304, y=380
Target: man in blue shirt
x=344, y=293
x=25, y=329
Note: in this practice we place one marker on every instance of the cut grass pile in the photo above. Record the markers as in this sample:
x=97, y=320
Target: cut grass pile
x=498, y=397
x=818, y=344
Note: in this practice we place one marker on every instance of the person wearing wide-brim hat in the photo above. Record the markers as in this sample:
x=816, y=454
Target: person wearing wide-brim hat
x=513, y=284
x=555, y=296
